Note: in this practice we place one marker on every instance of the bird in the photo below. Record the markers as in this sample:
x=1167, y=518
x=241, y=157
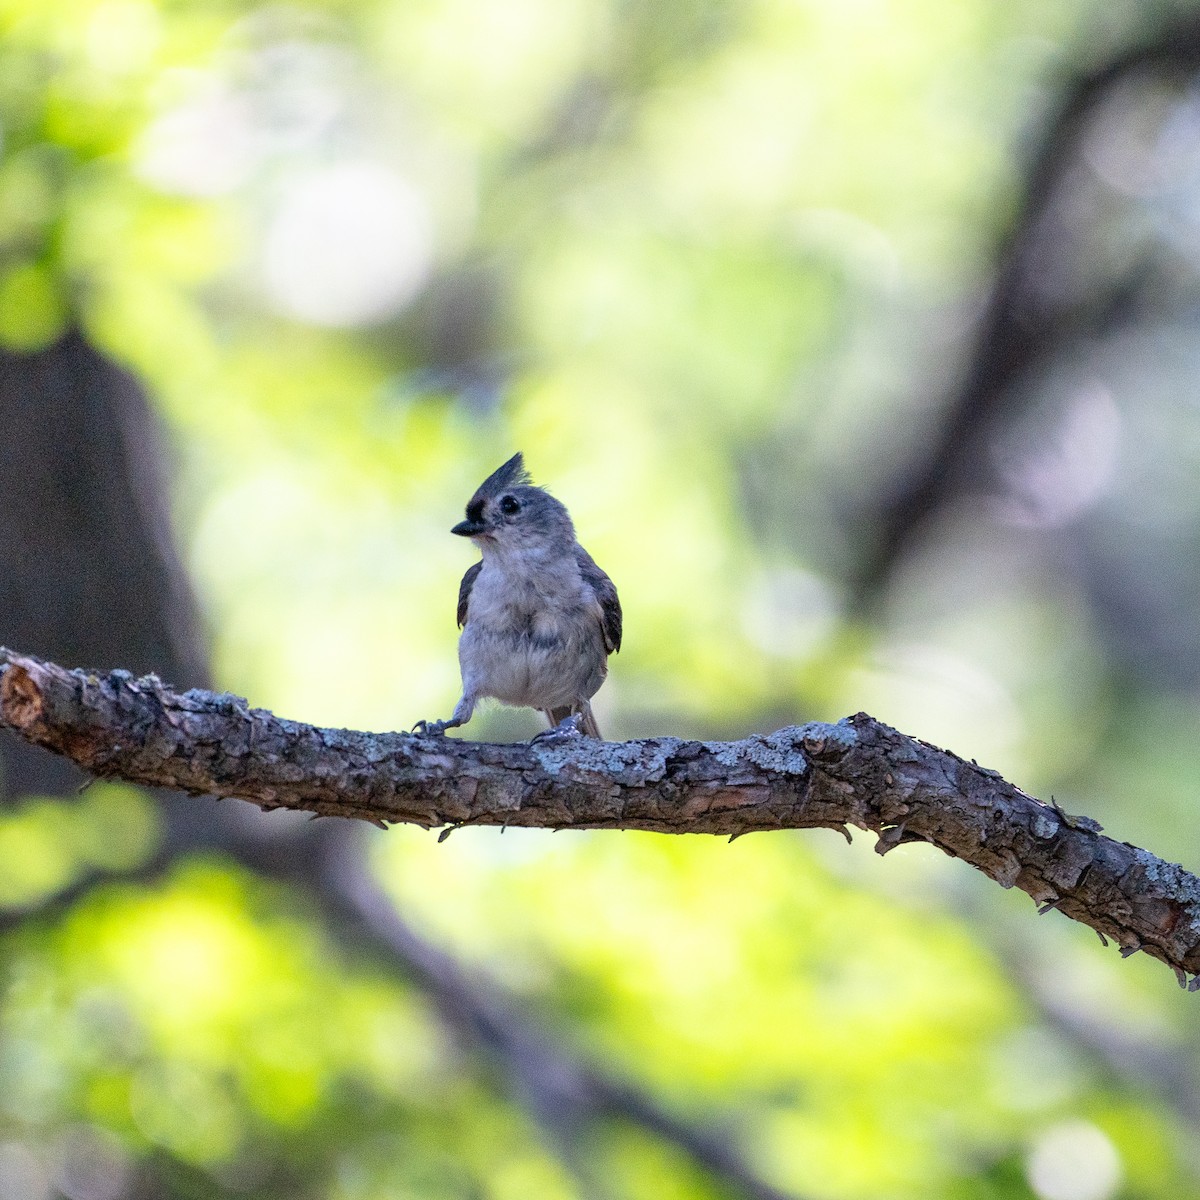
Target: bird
x=538, y=617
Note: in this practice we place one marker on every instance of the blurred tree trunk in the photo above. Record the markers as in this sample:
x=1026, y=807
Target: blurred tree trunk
x=88, y=569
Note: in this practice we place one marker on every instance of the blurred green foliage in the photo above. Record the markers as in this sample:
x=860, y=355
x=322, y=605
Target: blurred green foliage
x=705, y=263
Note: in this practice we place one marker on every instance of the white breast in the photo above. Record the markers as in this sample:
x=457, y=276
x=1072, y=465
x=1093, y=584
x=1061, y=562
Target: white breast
x=532, y=637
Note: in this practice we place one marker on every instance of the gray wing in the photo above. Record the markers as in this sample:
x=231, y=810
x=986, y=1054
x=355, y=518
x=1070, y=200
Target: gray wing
x=608, y=606
x=464, y=591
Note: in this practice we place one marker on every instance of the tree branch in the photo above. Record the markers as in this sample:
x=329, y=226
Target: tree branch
x=858, y=772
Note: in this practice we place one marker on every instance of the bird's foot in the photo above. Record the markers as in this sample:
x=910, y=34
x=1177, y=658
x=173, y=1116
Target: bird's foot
x=434, y=728
x=567, y=727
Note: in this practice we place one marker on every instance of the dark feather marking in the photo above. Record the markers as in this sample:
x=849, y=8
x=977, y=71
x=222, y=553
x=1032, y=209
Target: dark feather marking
x=606, y=594
x=511, y=474
x=464, y=591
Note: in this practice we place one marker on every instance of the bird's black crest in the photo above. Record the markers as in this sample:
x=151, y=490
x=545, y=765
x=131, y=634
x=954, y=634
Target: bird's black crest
x=512, y=474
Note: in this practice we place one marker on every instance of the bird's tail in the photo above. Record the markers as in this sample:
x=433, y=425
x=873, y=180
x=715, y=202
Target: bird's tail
x=587, y=720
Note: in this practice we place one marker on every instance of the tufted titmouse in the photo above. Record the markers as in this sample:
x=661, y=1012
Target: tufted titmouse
x=539, y=618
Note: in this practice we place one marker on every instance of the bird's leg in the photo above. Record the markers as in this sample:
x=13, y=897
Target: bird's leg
x=461, y=715
x=567, y=727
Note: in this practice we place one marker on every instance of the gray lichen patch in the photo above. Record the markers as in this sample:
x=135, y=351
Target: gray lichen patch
x=630, y=764
x=1170, y=878
x=1045, y=824
x=728, y=754
x=779, y=753
x=843, y=734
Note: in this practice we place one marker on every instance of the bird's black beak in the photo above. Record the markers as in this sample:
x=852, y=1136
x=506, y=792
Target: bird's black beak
x=468, y=528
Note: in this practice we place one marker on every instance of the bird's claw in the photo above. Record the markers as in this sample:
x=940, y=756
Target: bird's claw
x=431, y=728
x=567, y=727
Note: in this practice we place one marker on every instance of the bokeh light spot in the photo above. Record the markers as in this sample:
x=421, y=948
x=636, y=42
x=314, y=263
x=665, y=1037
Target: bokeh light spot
x=1073, y=1161
x=349, y=245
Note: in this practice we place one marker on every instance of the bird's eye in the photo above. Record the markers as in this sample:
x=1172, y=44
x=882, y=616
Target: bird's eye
x=509, y=505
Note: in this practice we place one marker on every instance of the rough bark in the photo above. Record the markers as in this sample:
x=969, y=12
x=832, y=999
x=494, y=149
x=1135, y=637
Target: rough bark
x=858, y=772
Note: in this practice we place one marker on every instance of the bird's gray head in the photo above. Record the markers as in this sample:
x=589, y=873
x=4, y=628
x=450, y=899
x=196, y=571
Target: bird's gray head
x=508, y=514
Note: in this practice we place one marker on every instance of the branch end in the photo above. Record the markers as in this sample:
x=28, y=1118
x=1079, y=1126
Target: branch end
x=21, y=703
